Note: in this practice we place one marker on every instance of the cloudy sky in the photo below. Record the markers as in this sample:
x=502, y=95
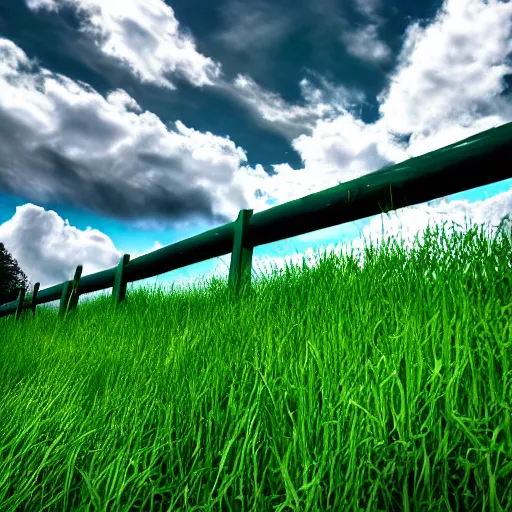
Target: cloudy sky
x=127, y=125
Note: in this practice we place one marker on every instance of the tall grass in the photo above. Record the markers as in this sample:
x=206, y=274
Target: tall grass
x=386, y=387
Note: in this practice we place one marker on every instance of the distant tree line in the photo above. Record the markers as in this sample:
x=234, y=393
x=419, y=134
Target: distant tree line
x=12, y=278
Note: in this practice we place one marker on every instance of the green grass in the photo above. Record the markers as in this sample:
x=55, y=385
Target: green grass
x=339, y=388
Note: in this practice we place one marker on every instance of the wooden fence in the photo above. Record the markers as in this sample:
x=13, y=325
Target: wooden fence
x=473, y=162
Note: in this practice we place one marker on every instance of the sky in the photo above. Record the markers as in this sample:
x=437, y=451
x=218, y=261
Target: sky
x=126, y=126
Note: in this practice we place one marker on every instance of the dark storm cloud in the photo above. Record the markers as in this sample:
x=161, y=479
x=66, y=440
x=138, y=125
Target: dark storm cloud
x=62, y=141
x=54, y=176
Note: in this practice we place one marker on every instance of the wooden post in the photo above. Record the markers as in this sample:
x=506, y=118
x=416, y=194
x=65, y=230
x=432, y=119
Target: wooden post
x=241, y=256
x=73, y=299
x=64, y=298
x=34, y=299
x=33, y=302
x=119, y=288
x=19, y=307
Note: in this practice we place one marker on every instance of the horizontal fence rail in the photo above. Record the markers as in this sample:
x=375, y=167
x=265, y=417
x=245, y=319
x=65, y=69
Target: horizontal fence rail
x=473, y=162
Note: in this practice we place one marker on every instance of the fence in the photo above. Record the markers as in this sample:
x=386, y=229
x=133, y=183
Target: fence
x=473, y=162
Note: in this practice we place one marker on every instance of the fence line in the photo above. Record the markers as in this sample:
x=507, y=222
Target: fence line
x=479, y=160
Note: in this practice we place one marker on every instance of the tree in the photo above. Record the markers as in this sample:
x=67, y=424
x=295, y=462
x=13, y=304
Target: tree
x=12, y=277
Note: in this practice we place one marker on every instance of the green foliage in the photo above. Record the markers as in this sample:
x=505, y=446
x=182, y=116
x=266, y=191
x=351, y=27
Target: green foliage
x=12, y=277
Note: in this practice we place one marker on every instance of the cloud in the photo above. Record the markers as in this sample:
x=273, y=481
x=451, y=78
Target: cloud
x=450, y=74
x=367, y=7
x=48, y=249
x=446, y=85
x=347, y=143
x=142, y=34
x=255, y=26
x=362, y=42
x=337, y=150
x=49, y=5
x=365, y=44
x=63, y=141
x=446, y=88
x=321, y=99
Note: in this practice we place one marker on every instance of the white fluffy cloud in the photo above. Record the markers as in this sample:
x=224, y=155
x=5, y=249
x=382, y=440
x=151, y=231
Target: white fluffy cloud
x=450, y=74
x=338, y=150
x=144, y=35
x=48, y=249
x=445, y=88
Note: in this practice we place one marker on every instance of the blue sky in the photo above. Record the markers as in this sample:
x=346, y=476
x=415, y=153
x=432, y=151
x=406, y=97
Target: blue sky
x=129, y=125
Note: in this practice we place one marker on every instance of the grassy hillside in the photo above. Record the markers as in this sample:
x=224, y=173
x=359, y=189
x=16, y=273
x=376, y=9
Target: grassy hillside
x=339, y=388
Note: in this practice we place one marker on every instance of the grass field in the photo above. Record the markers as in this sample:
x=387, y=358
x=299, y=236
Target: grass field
x=382, y=388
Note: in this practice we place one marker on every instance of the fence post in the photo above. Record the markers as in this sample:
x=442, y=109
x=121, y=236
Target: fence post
x=64, y=298
x=69, y=297
x=75, y=293
x=34, y=299
x=19, y=306
x=241, y=256
x=119, y=288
